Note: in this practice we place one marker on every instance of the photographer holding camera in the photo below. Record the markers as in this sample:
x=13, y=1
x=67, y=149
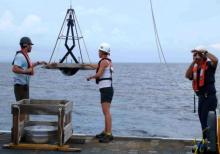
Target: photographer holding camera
x=202, y=73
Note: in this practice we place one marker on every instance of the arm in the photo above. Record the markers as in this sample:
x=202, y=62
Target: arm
x=103, y=65
x=214, y=59
x=36, y=64
x=19, y=70
x=189, y=72
x=94, y=66
x=39, y=63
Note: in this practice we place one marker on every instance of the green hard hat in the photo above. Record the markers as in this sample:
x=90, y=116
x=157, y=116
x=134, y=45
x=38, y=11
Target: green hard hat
x=26, y=40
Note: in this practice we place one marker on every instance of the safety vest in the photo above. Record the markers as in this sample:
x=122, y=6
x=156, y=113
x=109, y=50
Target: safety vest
x=199, y=80
x=98, y=79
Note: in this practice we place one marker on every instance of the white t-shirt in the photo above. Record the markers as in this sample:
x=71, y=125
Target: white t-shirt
x=106, y=74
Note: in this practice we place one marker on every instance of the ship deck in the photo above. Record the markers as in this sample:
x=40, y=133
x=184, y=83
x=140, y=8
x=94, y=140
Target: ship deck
x=120, y=145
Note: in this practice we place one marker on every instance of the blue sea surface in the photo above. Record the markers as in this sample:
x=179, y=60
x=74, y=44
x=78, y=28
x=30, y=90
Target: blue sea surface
x=150, y=100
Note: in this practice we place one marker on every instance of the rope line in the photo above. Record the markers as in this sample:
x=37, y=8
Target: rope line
x=80, y=31
x=155, y=32
x=78, y=40
x=159, y=46
x=57, y=39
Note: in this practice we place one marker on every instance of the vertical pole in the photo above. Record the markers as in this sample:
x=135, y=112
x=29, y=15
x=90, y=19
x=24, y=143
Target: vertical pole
x=15, y=128
x=194, y=103
x=60, y=125
x=59, y=128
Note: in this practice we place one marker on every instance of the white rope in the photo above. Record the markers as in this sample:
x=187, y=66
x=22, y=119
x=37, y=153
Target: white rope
x=83, y=39
x=159, y=47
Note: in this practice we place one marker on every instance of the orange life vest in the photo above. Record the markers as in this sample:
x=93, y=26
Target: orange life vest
x=199, y=81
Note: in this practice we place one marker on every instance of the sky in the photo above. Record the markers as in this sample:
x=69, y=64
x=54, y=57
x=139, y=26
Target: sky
x=125, y=24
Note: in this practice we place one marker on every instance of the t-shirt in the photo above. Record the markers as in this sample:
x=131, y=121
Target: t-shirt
x=22, y=79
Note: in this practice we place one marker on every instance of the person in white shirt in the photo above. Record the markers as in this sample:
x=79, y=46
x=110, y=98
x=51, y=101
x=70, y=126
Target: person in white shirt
x=103, y=78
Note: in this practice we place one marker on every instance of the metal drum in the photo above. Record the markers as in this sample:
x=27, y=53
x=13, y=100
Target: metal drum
x=40, y=134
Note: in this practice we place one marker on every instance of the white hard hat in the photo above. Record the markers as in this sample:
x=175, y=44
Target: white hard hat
x=105, y=47
x=199, y=48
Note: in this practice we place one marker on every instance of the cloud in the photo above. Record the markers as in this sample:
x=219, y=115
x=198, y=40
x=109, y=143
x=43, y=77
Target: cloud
x=6, y=21
x=105, y=24
x=215, y=46
x=118, y=35
x=101, y=11
x=31, y=24
x=104, y=16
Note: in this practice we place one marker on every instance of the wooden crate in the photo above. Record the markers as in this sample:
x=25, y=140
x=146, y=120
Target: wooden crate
x=24, y=108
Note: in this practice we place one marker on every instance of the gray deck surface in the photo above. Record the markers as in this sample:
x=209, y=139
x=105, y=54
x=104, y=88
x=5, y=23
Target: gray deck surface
x=120, y=145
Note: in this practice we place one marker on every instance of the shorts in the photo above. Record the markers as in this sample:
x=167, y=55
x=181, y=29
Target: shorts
x=106, y=94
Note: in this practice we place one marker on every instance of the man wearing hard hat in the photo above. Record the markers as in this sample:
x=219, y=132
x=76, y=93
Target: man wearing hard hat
x=103, y=78
x=202, y=73
x=23, y=68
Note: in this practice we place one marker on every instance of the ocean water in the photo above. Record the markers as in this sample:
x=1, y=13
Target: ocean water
x=150, y=99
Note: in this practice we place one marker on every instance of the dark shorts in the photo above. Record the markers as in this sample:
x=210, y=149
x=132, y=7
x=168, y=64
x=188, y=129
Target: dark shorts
x=21, y=92
x=106, y=94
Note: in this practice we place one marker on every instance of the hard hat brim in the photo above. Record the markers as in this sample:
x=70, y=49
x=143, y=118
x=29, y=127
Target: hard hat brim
x=104, y=51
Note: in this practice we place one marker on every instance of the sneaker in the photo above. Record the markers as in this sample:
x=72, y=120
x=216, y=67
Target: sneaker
x=106, y=139
x=101, y=135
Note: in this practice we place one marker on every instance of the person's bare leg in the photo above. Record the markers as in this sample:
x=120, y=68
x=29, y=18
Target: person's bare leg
x=107, y=115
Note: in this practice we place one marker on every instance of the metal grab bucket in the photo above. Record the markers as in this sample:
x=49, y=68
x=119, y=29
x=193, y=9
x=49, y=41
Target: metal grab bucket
x=40, y=134
x=69, y=71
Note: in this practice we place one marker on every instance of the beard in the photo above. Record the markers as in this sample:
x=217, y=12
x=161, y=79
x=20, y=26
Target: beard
x=29, y=50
